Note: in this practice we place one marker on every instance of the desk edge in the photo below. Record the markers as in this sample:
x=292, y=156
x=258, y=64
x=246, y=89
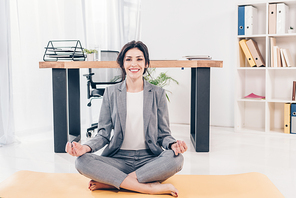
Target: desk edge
x=113, y=64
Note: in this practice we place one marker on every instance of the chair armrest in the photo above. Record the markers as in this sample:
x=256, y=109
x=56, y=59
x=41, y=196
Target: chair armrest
x=88, y=75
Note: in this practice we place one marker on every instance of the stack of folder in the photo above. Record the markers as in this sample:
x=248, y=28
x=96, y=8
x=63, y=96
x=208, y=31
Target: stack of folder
x=278, y=18
x=290, y=113
x=290, y=118
x=252, y=53
x=279, y=57
x=247, y=20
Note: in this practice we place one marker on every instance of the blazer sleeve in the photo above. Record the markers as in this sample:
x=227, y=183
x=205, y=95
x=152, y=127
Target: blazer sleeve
x=105, y=125
x=164, y=132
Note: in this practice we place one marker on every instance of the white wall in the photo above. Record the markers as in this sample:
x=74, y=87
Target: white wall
x=174, y=28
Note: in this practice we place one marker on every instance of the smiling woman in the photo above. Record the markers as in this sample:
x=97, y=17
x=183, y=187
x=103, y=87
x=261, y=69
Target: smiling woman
x=142, y=152
x=134, y=61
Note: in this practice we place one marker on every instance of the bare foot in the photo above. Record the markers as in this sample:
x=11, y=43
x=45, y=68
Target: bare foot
x=158, y=188
x=94, y=185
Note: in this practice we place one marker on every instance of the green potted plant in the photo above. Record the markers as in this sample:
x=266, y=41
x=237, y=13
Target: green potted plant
x=291, y=30
x=90, y=54
x=161, y=80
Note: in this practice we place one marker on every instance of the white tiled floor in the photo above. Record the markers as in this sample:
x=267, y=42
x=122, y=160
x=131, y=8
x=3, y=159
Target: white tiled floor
x=230, y=153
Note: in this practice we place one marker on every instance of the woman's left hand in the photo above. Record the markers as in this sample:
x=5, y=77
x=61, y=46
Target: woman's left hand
x=179, y=147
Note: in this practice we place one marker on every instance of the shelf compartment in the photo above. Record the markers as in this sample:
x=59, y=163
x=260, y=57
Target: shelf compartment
x=280, y=84
x=261, y=18
x=292, y=12
x=261, y=42
x=276, y=116
x=251, y=116
x=286, y=42
x=250, y=81
x=291, y=17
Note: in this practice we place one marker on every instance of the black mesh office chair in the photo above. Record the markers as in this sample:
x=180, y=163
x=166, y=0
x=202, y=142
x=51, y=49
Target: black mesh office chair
x=98, y=79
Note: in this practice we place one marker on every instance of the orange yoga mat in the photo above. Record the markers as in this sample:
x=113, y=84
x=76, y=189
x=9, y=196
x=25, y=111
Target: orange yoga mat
x=28, y=184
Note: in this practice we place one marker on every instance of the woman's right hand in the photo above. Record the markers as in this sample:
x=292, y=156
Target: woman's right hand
x=76, y=149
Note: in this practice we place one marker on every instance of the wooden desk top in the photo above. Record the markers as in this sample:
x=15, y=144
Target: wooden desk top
x=113, y=64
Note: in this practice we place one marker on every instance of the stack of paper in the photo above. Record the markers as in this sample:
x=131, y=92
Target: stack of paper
x=254, y=96
x=198, y=57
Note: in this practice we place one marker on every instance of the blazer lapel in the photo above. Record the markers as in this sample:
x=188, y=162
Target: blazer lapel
x=121, y=105
x=147, y=105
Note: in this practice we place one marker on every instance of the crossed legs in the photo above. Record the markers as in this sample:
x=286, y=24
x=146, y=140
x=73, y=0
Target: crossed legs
x=131, y=183
x=108, y=173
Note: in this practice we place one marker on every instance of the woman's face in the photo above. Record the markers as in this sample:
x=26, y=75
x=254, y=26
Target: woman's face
x=134, y=64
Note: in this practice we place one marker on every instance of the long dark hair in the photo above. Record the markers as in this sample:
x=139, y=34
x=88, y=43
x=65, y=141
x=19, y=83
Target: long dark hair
x=130, y=45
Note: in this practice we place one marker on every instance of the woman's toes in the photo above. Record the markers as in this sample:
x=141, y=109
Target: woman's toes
x=93, y=187
x=175, y=194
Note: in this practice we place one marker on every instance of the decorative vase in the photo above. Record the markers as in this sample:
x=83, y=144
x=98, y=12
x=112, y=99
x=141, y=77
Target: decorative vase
x=291, y=31
x=90, y=57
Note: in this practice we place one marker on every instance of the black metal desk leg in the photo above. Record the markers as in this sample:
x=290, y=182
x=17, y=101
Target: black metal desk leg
x=74, y=104
x=66, y=107
x=200, y=109
x=60, y=111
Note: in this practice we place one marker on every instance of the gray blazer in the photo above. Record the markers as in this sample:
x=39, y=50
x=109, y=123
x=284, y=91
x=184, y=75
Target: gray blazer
x=113, y=117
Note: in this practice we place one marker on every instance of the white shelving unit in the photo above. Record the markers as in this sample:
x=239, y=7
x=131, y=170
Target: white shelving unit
x=275, y=83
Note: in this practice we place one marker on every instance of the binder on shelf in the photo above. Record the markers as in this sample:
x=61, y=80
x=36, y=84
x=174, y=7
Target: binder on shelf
x=247, y=52
x=293, y=90
x=284, y=63
x=251, y=24
x=293, y=118
x=288, y=58
x=272, y=18
x=282, y=18
x=255, y=52
x=287, y=117
x=241, y=20
x=272, y=44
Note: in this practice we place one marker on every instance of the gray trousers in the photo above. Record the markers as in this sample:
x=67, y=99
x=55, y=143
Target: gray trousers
x=113, y=170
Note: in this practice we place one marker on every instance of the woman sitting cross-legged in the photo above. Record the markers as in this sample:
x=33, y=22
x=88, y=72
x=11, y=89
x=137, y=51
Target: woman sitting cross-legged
x=141, y=152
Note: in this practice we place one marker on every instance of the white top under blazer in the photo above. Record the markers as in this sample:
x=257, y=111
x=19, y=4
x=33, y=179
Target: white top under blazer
x=134, y=137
